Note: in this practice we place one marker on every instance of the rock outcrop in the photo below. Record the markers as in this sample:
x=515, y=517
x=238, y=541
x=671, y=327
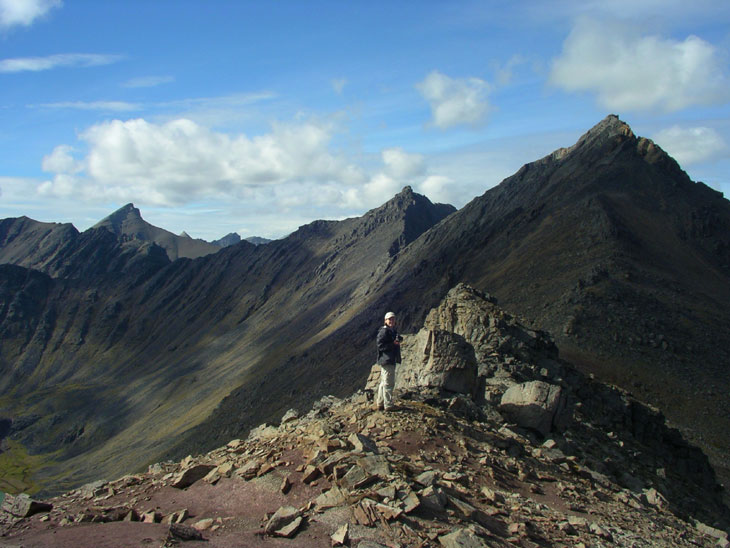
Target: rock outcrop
x=536, y=405
x=488, y=365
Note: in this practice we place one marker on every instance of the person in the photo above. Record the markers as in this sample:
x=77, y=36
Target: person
x=388, y=342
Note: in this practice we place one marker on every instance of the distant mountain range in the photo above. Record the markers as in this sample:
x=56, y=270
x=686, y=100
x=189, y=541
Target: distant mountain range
x=26, y=242
x=119, y=350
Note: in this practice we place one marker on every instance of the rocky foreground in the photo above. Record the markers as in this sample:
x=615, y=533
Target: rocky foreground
x=347, y=475
x=496, y=442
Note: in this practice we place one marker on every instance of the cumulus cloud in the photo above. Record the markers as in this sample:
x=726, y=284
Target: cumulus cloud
x=181, y=161
x=454, y=101
x=691, y=145
x=401, y=164
x=37, y=64
x=61, y=160
x=24, y=12
x=628, y=71
x=437, y=188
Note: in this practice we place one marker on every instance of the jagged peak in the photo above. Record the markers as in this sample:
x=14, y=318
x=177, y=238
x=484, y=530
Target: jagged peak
x=126, y=211
x=406, y=191
x=404, y=201
x=184, y=234
x=115, y=220
x=611, y=128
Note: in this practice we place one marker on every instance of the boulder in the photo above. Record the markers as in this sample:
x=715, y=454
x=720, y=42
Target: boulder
x=461, y=538
x=536, y=405
x=22, y=506
x=190, y=475
x=341, y=537
x=434, y=358
x=362, y=444
x=179, y=531
x=284, y=523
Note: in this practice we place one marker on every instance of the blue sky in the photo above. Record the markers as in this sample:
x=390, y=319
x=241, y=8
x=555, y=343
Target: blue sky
x=257, y=117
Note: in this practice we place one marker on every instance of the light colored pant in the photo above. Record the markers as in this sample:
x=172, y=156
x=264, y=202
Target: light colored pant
x=384, y=397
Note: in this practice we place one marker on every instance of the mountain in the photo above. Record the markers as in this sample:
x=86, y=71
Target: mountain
x=32, y=244
x=137, y=356
x=124, y=357
x=608, y=245
x=233, y=238
x=127, y=224
x=474, y=456
x=228, y=239
x=612, y=248
x=257, y=240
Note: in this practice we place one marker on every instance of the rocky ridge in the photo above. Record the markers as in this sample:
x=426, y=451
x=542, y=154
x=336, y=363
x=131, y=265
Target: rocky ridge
x=461, y=462
x=127, y=348
x=606, y=244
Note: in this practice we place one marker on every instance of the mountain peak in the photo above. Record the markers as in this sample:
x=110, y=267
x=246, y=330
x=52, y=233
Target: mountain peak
x=127, y=224
x=611, y=126
x=115, y=222
x=406, y=191
x=415, y=212
x=609, y=130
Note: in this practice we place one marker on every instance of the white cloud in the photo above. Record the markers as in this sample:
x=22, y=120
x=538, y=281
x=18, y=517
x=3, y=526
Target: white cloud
x=24, y=12
x=376, y=191
x=148, y=81
x=437, y=188
x=628, y=71
x=180, y=161
x=455, y=102
x=504, y=72
x=36, y=64
x=115, y=106
x=691, y=145
x=61, y=160
x=401, y=164
x=338, y=85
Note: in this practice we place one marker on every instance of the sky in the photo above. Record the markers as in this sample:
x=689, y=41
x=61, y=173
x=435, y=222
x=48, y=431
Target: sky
x=258, y=117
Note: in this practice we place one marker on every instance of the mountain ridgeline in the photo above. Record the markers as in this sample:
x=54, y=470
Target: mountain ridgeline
x=120, y=348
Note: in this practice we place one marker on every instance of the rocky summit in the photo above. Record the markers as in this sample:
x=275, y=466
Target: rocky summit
x=495, y=441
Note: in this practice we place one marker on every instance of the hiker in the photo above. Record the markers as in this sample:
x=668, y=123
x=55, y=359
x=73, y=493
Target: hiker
x=388, y=342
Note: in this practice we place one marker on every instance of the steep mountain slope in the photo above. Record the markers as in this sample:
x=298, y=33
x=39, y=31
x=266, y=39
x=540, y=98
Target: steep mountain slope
x=608, y=245
x=614, y=250
x=117, y=364
x=127, y=224
x=29, y=243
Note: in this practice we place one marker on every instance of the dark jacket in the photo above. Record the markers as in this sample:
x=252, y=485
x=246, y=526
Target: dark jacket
x=388, y=351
